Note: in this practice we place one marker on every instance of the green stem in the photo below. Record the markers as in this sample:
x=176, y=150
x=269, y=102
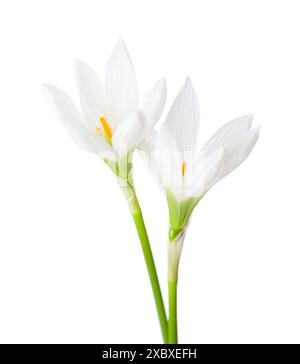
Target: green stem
x=173, y=339
x=141, y=229
x=146, y=248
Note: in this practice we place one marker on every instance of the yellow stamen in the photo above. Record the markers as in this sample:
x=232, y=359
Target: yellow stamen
x=106, y=127
x=99, y=131
x=183, y=168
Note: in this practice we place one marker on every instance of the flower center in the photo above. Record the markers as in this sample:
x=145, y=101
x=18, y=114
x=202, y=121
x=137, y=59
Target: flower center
x=183, y=169
x=106, y=128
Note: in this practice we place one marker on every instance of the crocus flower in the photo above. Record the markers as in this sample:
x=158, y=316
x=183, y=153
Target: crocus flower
x=112, y=123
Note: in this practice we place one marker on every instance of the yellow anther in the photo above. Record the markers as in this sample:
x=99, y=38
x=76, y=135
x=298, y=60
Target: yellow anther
x=183, y=168
x=99, y=131
x=106, y=127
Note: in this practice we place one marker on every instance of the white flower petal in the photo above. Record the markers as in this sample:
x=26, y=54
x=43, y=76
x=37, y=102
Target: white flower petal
x=108, y=154
x=166, y=140
x=121, y=86
x=228, y=133
x=239, y=151
x=146, y=147
x=73, y=121
x=154, y=101
x=169, y=169
x=198, y=179
x=168, y=160
x=183, y=118
x=91, y=92
x=151, y=110
x=127, y=134
x=146, y=151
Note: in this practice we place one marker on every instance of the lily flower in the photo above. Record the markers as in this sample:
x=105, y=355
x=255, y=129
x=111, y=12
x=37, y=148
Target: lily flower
x=112, y=123
x=184, y=171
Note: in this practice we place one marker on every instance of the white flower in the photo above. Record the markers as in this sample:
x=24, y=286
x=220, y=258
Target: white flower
x=112, y=123
x=185, y=172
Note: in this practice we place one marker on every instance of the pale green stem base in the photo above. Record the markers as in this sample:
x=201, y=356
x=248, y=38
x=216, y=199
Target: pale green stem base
x=174, y=253
x=173, y=337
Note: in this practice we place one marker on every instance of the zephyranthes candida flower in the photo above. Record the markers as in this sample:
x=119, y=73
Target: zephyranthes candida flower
x=185, y=171
x=112, y=122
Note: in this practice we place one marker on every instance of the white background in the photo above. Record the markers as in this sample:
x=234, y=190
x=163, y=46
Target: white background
x=71, y=269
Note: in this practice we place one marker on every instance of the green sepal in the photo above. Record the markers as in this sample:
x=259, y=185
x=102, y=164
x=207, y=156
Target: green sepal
x=179, y=213
x=122, y=168
x=173, y=233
